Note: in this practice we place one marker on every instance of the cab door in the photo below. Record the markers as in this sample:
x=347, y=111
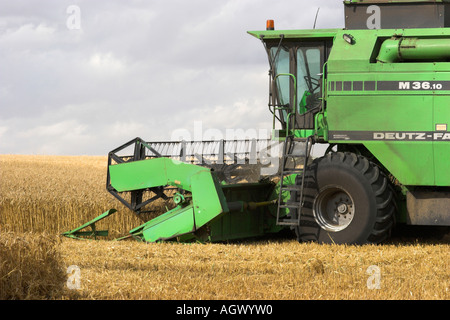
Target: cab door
x=310, y=59
x=296, y=92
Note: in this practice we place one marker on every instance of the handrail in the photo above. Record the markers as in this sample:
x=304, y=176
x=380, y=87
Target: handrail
x=294, y=104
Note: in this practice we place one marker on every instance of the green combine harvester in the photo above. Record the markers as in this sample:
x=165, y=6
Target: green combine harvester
x=377, y=93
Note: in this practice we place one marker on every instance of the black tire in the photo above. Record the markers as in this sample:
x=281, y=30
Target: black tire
x=346, y=200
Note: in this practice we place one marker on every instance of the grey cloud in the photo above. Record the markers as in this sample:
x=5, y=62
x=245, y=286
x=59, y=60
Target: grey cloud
x=135, y=68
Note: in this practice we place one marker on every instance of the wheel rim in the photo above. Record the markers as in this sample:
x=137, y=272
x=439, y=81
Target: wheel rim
x=334, y=209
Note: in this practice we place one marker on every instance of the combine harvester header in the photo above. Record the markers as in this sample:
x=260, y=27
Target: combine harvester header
x=205, y=208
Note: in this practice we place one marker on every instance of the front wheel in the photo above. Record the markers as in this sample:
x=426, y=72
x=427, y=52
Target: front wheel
x=346, y=199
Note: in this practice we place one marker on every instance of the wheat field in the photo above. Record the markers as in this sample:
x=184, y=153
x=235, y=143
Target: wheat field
x=57, y=194
x=42, y=196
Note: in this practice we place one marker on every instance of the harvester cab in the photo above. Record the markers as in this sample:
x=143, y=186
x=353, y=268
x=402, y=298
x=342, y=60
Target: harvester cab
x=296, y=89
x=376, y=93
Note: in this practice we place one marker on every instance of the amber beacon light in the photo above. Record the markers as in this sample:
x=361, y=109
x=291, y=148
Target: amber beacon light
x=270, y=25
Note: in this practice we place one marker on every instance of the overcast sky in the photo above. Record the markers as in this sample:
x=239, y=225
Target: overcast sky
x=83, y=77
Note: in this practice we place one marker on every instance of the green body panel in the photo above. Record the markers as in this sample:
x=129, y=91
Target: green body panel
x=245, y=223
x=142, y=174
x=398, y=156
x=208, y=200
x=174, y=223
x=441, y=149
x=401, y=119
x=398, y=109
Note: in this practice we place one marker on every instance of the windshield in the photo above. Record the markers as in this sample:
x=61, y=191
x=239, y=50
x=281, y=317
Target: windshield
x=297, y=76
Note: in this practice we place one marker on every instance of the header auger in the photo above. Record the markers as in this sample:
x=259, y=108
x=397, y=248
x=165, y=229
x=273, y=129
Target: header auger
x=377, y=93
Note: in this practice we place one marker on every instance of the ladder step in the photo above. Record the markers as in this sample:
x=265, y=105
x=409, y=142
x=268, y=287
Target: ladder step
x=288, y=222
x=289, y=206
x=292, y=171
x=290, y=155
x=291, y=188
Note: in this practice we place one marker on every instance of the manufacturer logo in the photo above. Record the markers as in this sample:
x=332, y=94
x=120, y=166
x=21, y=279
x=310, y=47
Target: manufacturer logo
x=392, y=135
x=425, y=136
